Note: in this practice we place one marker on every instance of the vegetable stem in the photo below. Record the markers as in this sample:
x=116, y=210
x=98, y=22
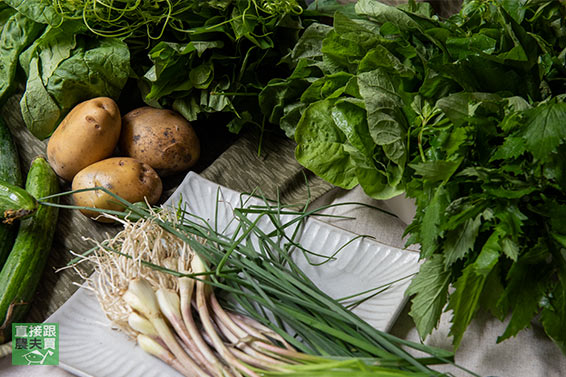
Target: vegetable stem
x=140, y=297
x=202, y=307
x=169, y=304
x=150, y=346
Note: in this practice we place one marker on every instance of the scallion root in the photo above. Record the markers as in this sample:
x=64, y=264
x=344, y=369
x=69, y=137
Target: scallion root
x=143, y=282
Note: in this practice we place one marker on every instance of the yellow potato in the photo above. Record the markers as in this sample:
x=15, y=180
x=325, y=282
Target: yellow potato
x=161, y=138
x=89, y=133
x=126, y=177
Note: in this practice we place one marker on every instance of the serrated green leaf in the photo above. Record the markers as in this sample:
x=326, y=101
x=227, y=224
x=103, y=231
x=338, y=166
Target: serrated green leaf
x=430, y=287
x=492, y=293
x=524, y=307
x=510, y=248
x=458, y=136
x=430, y=224
x=461, y=240
x=486, y=266
x=527, y=280
x=502, y=192
x=461, y=210
x=434, y=171
x=511, y=220
x=460, y=107
x=489, y=254
x=464, y=302
x=544, y=129
x=512, y=147
x=553, y=316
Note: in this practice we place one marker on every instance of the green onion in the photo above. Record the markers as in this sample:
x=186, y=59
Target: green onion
x=304, y=326
x=141, y=297
x=150, y=346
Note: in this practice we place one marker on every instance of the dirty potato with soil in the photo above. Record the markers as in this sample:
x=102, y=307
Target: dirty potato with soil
x=89, y=133
x=161, y=138
x=126, y=177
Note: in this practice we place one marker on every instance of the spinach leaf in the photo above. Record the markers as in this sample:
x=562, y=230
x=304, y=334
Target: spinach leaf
x=383, y=13
x=95, y=69
x=40, y=11
x=37, y=106
x=65, y=68
x=17, y=33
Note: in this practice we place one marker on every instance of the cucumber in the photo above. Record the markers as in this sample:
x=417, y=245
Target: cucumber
x=23, y=269
x=15, y=203
x=9, y=172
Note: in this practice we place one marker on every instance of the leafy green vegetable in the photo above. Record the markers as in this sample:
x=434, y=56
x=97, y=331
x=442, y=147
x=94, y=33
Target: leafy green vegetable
x=17, y=33
x=543, y=131
x=321, y=146
x=65, y=68
x=431, y=285
x=204, y=56
x=198, y=57
x=464, y=115
x=40, y=11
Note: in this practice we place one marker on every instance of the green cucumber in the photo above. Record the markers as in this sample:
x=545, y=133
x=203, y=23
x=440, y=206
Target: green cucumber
x=23, y=269
x=15, y=203
x=9, y=172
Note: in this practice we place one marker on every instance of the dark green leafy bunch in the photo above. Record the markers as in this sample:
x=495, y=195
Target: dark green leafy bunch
x=466, y=115
x=490, y=182
x=198, y=57
x=220, y=62
x=17, y=33
x=344, y=102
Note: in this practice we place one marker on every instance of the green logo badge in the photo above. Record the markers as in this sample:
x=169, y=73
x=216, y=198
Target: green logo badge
x=35, y=343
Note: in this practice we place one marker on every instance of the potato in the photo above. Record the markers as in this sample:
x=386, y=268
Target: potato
x=161, y=138
x=89, y=133
x=126, y=177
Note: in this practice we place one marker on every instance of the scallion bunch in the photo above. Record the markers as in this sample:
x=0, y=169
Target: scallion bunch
x=236, y=304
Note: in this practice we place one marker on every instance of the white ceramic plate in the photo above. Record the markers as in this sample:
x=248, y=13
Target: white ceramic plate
x=88, y=346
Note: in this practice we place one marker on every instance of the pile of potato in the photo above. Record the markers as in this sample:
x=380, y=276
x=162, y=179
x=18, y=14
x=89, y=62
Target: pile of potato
x=151, y=143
